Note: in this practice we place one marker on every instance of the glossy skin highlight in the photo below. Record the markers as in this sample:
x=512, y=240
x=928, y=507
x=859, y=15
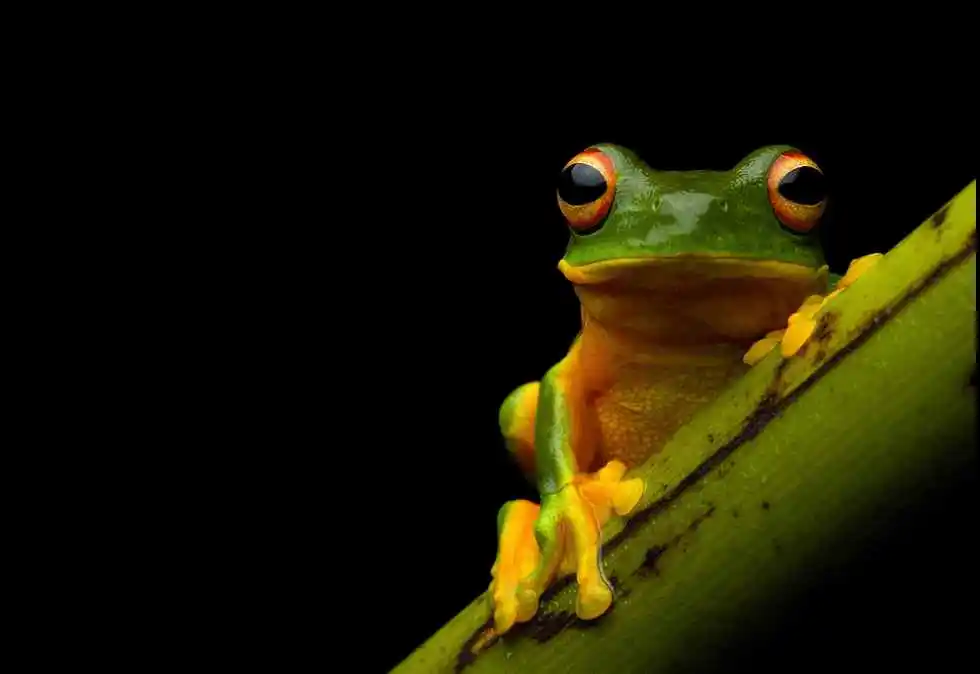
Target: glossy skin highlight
x=678, y=274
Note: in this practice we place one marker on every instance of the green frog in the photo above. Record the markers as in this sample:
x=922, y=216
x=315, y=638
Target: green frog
x=684, y=279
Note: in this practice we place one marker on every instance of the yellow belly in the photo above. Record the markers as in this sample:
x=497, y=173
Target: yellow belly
x=644, y=407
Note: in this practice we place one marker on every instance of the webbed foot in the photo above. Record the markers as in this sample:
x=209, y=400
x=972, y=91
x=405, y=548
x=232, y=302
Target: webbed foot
x=537, y=545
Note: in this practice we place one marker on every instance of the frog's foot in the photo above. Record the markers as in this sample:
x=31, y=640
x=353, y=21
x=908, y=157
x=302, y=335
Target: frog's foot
x=608, y=492
x=517, y=557
x=539, y=544
x=856, y=269
x=761, y=348
x=803, y=323
x=569, y=533
x=791, y=339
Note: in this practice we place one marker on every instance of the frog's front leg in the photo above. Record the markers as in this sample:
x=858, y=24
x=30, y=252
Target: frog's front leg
x=547, y=426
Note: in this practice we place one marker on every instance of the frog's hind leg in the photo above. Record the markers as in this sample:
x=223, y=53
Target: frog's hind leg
x=518, y=553
x=518, y=556
x=517, y=415
x=537, y=545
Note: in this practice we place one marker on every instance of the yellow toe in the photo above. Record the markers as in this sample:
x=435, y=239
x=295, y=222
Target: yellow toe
x=527, y=604
x=599, y=496
x=612, y=471
x=568, y=564
x=504, y=616
x=812, y=301
x=627, y=495
x=858, y=267
x=797, y=335
x=759, y=350
x=830, y=297
x=593, y=600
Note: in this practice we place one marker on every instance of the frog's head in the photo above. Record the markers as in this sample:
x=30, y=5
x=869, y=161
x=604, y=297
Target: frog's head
x=748, y=233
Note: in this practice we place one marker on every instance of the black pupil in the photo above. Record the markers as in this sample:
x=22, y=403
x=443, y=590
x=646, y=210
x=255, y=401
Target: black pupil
x=580, y=184
x=804, y=185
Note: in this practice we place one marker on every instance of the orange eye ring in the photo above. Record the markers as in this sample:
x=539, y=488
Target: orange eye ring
x=586, y=190
x=797, y=191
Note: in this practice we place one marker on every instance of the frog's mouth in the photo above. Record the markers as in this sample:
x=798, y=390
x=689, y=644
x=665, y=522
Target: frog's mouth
x=668, y=272
x=694, y=298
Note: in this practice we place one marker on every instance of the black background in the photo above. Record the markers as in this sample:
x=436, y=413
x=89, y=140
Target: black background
x=430, y=290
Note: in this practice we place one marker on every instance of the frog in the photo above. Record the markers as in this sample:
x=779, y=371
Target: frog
x=684, y=280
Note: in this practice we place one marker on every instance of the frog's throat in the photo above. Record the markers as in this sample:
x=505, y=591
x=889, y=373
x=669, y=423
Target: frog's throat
x=692, y=299
x=666, y=271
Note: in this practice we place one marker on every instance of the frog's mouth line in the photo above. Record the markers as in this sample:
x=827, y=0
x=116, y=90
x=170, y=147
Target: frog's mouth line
x=669, y=269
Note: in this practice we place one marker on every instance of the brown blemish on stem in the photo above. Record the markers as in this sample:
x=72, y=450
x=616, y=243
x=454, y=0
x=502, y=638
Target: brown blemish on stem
x=620, y=589
x=939, y=217
x=650, y=559
x=654, y=553
x=555, y=588
x=479, y=641
x=780, y=370
x=544, y=626
x=699, y=519
x=820, y=339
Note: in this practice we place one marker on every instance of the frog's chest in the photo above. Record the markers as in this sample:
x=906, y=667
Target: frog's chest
x=638, y=412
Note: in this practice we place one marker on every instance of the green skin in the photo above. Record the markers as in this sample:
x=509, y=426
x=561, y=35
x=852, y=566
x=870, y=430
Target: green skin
x=659, y=213
x=654, y=214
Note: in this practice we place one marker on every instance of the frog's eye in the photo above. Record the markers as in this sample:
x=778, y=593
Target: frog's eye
x=797, y=191
x=586, y=189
